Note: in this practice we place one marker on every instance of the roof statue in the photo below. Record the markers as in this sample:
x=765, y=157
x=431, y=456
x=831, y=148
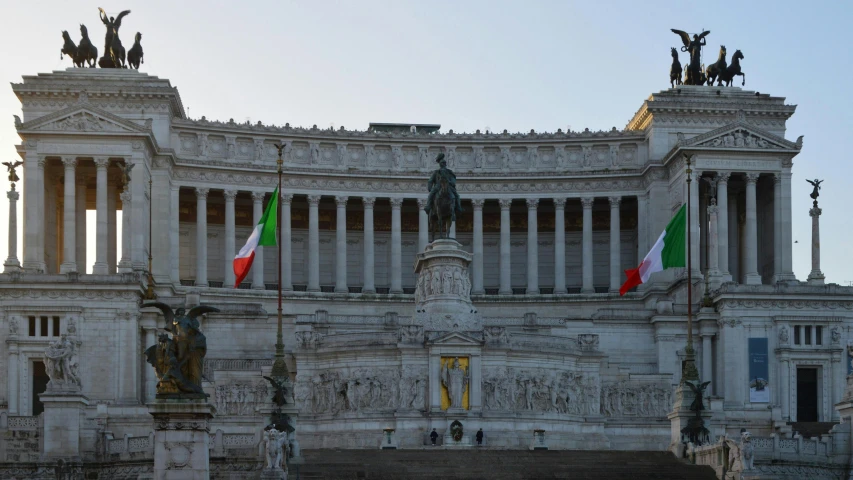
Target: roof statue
x=695, y=73
x=10, y=167
x=114, y=54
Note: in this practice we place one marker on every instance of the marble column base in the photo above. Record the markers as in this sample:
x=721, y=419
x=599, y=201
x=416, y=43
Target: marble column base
x=63, y=409
x=181, y=438
x=816, y=278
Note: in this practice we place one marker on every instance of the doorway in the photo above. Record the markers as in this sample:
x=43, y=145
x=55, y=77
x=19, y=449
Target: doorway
x=40, y=380
x=807, y=410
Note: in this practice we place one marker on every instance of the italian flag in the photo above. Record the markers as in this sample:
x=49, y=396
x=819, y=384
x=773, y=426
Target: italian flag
x=263, y=234
x=667, y=252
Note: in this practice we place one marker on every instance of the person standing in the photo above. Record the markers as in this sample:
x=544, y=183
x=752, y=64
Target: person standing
x=479, y=437
x=433, y=436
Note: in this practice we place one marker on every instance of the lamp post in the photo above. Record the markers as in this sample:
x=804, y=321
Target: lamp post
x=279, y=367
x=688, y=369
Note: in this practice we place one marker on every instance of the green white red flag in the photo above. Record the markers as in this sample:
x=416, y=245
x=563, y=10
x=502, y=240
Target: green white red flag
x=263, y=234
x=668, y=252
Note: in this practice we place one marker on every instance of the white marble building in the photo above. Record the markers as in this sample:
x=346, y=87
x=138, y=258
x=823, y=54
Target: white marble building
x=551, y=222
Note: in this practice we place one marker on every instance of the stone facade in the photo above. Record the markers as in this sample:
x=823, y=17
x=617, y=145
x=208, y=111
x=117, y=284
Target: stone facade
x=551, y=222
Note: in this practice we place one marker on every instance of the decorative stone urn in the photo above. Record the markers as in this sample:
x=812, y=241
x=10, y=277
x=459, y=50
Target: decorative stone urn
x=443, y=292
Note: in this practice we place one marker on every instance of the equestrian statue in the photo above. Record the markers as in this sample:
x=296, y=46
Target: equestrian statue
x=114, y=55
x=733, y=70
x=715, y=70
x=443, y=203
x=675, y=70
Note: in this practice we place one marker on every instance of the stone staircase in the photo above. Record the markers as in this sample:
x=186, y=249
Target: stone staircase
x=489, y=464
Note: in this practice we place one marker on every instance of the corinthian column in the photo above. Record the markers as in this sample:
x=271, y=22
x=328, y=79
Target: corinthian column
x=423, y=225
x=286, y=235
x=713, y=248
x=815, y=276
x=69, y=217
x=752, y=276
x=258, y=263
x=313, y=243
x=369, y=244
x=505, y=285
x=723, y=225
x=101, y=221
x=777, y=227
x=615, y=245
x=396, y=246
x=80, y=211
x=230, y=228
x=201, y=237
x=477, y=280
x=341, y=246
x=34, y=228
x=124, y=265
x=559, y=246
x=587, y=245
x=11, y=264
x=532, y=247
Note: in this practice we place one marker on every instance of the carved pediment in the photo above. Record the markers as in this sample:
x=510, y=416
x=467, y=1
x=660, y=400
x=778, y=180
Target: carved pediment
x=455, y=339
x=83, y=118
x=741, y=135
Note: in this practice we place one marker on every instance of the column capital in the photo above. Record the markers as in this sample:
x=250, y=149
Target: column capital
x=369, y=202
x=102, y=162
x=587, y=202
x=69, y=162
x=532, y=203
x=422, y=202
x=723, y=177
x=258, y=197
x=175, y=187
x=777, y=178
x=202, y=192
x=125, y=196
x=314, y=200
x=478, y=203
x=41, y=161
x=712, y=208
x=815, y=212
x=229, y=195
x=505, y=203
x=13, y=194
x=615, y=201
x=286, y=198
x=341, y=200
x=560, y=203
x=396, y=203
x=752, y=177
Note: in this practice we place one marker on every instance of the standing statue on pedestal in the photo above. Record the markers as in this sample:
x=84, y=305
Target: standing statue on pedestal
x=60, y=361
x=443, y=202
x=693, y=73
x=113, y=50
x=178, y=361
x=455, y=379
x=815, y=191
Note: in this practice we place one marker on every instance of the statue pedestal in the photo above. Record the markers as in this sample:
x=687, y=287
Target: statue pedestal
x=538, y=442
x=443, y=293
x=681, y=417
x=181, y=438
x=449, y=442
x=63, y=409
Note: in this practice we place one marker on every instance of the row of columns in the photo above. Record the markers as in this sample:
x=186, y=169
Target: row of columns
x=719, y=214
x=369, y=285
x=74, y=219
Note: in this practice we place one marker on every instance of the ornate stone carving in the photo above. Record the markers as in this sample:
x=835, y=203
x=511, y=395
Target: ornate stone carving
x=411, y=334
x=588, y=341
x=740, y=138
x=240, y=398
x=308, y=339
x=62, y=364
x=635, y=399
x=361, y=389
x=835, y=335
x=495, y=336
x=540, y=390
x=784, y=337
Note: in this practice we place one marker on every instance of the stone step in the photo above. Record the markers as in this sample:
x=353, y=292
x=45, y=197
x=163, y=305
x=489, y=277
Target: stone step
x=497, y=465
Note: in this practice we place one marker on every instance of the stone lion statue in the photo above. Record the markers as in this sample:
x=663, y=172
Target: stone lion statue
x=747, y=451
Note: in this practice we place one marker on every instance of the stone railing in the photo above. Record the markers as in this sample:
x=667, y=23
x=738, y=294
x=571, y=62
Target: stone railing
x=20, y=438
x=128, y=447
x=231, y=445
x=806, y=457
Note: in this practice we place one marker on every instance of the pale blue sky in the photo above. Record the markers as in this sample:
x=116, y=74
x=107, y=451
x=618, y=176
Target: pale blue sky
x=470, y=65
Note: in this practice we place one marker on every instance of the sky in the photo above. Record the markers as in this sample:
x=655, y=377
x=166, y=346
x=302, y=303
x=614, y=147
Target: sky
x=469, y=65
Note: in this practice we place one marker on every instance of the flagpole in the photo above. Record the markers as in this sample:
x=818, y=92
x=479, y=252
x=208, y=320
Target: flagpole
x=689, y=371
x=279, y=367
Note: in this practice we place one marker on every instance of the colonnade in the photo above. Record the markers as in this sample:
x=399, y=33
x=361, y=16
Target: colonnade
x=396, y=263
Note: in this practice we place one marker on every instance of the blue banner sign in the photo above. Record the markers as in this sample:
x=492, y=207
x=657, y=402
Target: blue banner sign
x=759, y=371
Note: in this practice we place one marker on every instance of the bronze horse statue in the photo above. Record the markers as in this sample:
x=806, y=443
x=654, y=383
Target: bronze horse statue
x=733, y=70
x=87, y=53
x=443, y=211
x=715, y=70
x=675, y=70
x=68, y=48
x=134, y=56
